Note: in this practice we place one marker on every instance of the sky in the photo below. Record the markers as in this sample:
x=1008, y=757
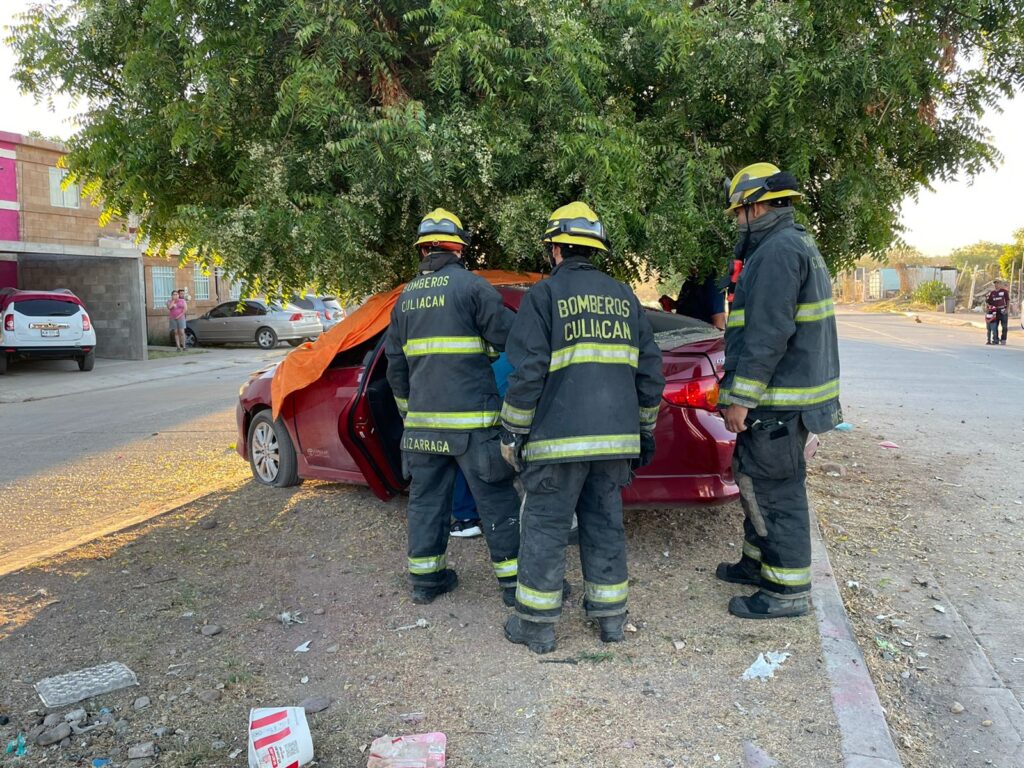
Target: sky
x=954, y=214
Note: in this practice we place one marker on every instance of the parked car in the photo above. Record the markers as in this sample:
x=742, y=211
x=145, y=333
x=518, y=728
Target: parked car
x=328, y=307
x=346, y=427
x=253, y=321
x=45, y=324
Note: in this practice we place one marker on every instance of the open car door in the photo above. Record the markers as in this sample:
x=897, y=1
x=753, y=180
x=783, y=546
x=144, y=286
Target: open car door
x=371, y=428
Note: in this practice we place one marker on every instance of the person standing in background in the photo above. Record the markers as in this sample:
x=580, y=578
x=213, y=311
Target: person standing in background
x=998, y=304
x=176, y=309
x=703, y=299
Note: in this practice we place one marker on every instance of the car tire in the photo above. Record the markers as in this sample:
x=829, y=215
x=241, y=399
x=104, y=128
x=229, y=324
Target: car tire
x=191, y=340
x=3, y=363
x=266, y=338
x=296, y=342
x=271, y=453
x=87, y=361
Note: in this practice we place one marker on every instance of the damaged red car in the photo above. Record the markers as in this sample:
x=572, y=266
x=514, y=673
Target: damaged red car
x=345, y=427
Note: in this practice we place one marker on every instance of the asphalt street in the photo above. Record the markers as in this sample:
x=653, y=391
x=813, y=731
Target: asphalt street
x=79, y=465
x=957, y=406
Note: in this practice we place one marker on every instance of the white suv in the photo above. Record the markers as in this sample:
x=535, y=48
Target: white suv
x=45, y=324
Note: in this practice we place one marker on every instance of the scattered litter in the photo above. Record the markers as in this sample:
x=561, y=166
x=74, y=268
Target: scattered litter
x=629, y=627
x=234, y=753
x=987, y=723
x=844, y=427
x=1018, y=660
x=938, y=608
x=569, y=660
x=420, y=624
x=73, y=687
x=888, y=444
x=717, y=758
x=304, y=679
x=142, y=751
x=940, y=636
x=279, y=736
x=679, y=644
x=100, y=762
x=17, y=746
x=853, y=584
x=421, y=750
x=412, y=717
x=766, y=665
x=304, y=648
x=287, y=618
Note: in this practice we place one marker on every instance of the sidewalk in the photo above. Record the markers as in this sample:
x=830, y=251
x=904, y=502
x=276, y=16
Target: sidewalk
x=958, y=319
x=42, y=379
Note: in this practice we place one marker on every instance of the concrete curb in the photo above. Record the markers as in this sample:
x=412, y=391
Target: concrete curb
x=866, y=741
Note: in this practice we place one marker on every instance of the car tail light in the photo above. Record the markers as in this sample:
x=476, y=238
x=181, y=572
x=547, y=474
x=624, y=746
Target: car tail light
x=295, y=318
x=86, y=323
x=694, y=393
x=9, y=323
x=327, y=315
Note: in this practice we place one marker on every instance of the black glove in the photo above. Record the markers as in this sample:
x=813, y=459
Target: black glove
x=646, y=450
x=512, y=448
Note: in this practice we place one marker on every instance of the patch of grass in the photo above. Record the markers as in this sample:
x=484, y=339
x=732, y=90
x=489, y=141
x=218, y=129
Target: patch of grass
x=158, y=353
x=198, y=756
x=596, y=658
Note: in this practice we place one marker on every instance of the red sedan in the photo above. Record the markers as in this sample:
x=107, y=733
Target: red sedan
x=345, y=427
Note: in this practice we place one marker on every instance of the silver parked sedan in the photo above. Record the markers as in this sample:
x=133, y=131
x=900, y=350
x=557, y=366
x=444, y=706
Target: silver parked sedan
x=253, y=320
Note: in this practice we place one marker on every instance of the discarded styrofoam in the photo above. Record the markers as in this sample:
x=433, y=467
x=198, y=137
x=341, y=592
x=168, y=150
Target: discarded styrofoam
x=73, y=687
x=765, y=665
x=304, y=648
x=888, y=444
x=279, y=737
x=422, y=750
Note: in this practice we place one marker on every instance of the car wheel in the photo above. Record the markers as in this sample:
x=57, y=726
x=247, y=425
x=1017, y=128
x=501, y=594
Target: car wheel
x=3, y=363
x=271, y=453
x=266, y=338
x=296, y=342
x=191, y=340
x=87, y=361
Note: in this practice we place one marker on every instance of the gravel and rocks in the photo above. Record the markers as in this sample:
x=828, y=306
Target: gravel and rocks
x=210, y=630
x=338, y=548
x=54, y=735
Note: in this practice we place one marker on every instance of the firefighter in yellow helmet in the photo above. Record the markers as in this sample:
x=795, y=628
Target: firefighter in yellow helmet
x=581, y=405
x=443, y=327
x=781, y=380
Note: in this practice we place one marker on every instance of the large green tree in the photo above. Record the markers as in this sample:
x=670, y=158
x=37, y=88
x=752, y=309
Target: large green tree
x=301, y=140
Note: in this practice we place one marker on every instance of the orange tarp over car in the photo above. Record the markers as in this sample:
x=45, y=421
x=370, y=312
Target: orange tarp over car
x=305, y=364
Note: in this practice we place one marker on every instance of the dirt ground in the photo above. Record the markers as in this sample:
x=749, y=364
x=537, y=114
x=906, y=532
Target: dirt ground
x=908, y=537
x=672, y=695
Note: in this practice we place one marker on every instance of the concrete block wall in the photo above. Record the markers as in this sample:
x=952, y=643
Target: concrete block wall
x=40, y=221
x=110, y=287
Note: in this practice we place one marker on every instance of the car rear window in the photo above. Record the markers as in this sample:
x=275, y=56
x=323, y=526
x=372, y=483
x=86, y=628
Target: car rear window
x=331, y=303
x=672, y=330
x=46, y=308
x=303, y=303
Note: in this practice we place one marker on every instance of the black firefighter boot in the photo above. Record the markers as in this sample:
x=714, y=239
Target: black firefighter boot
x=426, y=594
x=746, y=571
x=761, y=605
x=538, y=637
x=612, y=628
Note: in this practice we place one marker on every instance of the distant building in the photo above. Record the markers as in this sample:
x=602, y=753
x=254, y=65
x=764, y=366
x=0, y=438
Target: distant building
x=203, y=292
x=50, y=237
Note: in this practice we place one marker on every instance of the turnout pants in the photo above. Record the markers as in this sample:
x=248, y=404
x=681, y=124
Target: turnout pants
x=430, y=507
x=771, y=471
x=592, y=489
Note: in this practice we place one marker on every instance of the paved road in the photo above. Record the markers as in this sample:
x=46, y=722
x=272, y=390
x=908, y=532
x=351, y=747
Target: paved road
x=957, y=405
x=78, y=465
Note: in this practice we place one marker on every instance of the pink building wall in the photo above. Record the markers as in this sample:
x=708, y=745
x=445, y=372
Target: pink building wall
x=10, y=217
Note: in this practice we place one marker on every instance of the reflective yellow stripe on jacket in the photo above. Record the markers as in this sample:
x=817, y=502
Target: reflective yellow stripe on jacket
x=517, y=417
x=590, y=446
x=805, y=313
x=780, y=396
x=450, y=419
x=444, y=345
x=588, y=352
